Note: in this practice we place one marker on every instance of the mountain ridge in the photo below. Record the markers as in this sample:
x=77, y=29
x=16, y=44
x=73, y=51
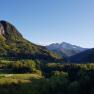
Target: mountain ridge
x=83, y=57
x=14, y=46
x=65, y=49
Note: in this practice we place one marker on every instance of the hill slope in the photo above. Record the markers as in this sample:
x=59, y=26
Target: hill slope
x=14, y=46
x=84, y=57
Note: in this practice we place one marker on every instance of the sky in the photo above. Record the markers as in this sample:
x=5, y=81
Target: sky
x=52, y=21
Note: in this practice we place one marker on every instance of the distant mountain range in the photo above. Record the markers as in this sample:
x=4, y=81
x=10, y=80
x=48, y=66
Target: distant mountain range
x=72, y=53
x=14, y=46
x=65, y=49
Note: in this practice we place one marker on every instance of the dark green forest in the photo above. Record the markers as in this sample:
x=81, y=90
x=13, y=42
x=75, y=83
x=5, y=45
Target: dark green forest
x=56, y=78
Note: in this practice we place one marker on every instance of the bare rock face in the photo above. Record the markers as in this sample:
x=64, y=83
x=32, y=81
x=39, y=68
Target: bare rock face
x=1, y=29
x=9, y=32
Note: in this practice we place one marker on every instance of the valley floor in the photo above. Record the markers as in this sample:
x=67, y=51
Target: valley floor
x=31, y=77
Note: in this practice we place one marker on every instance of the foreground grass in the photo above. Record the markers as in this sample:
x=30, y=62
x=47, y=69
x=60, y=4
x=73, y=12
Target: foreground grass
x=16, y=78
x=18, y=83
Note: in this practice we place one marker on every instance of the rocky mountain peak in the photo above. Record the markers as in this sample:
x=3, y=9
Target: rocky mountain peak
x=1, y=29
x=8, y=31
x=65, y=49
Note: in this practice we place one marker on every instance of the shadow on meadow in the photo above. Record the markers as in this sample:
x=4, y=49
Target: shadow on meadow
x=54, y=85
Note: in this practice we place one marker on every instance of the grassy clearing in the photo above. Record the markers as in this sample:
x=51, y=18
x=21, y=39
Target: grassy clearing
x=26, y=76
x=16, y=78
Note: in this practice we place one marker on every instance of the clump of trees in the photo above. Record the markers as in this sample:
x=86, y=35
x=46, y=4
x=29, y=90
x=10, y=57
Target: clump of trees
x=21, y=66
x=65, y=79
x=58, y=78
x=28, y=66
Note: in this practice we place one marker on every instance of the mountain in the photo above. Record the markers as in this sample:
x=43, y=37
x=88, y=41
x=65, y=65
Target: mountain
x=65, y=49
x=83, y=57
x=14, y=46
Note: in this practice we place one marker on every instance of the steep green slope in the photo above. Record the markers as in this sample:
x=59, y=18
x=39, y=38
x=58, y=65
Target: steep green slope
x=83, y=57
x=14, y=46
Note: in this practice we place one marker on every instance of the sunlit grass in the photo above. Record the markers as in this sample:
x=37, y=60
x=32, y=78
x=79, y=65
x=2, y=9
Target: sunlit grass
x=16, y=78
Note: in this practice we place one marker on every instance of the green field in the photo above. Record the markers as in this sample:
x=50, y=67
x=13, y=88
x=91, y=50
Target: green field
x=16, y=78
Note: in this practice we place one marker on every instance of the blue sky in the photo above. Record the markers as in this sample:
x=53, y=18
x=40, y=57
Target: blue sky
x=48, y=21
